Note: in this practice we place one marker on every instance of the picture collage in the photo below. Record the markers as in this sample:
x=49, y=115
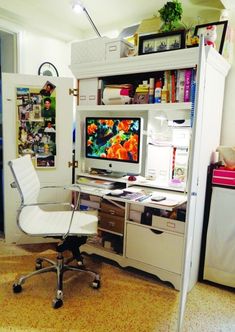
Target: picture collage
x=36, y=124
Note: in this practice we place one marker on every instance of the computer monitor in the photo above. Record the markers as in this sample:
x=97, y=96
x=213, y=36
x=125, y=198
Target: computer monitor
x=113, y=144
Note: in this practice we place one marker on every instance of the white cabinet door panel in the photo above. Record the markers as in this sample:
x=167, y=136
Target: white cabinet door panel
x=61, y=175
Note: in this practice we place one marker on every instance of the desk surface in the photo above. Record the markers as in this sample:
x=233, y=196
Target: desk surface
x=171, y=200
x=140, y=180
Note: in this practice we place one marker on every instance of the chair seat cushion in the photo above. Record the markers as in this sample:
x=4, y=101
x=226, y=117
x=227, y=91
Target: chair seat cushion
x=35, y=221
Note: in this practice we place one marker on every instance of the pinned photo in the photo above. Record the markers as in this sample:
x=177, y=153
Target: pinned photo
x=47, y=89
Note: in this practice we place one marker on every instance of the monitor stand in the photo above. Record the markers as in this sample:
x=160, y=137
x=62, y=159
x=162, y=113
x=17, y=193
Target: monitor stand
x=115, y=174
x=107, y=173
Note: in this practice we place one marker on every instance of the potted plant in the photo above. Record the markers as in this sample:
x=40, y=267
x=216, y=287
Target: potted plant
x=171, y=14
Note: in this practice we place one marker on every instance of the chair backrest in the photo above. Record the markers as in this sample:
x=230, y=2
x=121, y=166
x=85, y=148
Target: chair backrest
x=26, y=179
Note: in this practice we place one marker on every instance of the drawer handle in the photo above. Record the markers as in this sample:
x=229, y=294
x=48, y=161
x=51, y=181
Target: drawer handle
x=156, y=231
x=111, y=211
x=111, y=223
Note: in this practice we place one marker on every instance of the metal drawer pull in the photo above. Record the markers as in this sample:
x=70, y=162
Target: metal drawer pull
x=112, y=211
x=156, y=231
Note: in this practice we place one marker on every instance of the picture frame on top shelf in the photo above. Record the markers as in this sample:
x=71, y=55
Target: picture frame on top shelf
x=219, y=32
x=161, y=42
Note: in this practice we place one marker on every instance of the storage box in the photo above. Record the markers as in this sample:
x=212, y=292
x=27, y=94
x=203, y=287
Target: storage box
x=111, y=217
x=168, y=224
x=223, y=177
x=135, y=216
x=116, y=49
x=137, y=207
x=92, y=50
x=112, y=223
x=88, y=91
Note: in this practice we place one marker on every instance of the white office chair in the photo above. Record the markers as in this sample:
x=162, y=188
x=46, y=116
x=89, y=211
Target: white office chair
x=71, y=226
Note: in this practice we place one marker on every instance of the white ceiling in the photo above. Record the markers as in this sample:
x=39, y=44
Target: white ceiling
x=56, y=18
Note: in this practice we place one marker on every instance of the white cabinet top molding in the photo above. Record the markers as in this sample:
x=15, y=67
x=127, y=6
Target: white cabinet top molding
x=184, y=58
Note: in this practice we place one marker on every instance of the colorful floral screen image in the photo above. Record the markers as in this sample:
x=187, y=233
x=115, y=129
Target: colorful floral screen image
x=113, y=138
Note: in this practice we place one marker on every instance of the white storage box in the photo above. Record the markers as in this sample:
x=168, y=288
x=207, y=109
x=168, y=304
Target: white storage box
x=116, y=49
x=86, y=51
x=135, y=216
x=168, y=224
x=88, y=91
x=137, y=207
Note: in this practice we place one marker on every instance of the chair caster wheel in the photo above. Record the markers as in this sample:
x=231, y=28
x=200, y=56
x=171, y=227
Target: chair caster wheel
x=96, y=284
x=57, y=303
x=17, y=288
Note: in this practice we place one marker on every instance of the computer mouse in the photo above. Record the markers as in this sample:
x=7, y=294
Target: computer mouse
x=116, y=192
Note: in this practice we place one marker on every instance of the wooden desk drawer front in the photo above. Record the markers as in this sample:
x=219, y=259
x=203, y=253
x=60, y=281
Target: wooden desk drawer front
x=111, y=209
x=111, y=222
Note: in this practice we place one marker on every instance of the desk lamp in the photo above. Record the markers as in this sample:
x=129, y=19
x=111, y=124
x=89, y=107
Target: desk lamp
x=77, y=6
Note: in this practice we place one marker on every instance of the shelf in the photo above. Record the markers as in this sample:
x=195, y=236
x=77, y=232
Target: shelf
x=174, y=111
x=137, y=107
x=108, y=231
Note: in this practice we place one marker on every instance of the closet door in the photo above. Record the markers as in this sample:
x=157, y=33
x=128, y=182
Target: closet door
x=58, y=175
x=192, y=185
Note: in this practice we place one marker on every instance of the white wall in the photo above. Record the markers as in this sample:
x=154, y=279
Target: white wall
x=36, y=49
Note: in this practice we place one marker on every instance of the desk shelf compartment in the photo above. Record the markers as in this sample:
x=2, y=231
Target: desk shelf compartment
x=156, y=248
x=158, y=219
x=106, y=242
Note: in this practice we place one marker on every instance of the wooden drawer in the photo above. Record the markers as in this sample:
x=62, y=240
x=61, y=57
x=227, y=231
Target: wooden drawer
x=160, y=249
x=112, y=209
x=111, y=222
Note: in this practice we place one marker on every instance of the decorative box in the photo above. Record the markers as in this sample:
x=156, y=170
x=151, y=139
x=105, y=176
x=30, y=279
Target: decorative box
x=86, y=51
x=88, y=91
x=223, y=177
x=116, y=49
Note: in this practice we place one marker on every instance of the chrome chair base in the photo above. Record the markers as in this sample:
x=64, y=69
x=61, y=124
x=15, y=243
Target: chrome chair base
x=60, y=266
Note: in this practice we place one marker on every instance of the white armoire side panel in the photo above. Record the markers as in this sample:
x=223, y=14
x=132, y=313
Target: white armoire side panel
x=61, y=175
x=212, y=70
x=210, y=139
x=192, y=185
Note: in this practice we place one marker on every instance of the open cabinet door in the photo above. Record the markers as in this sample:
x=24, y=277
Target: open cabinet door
x=194, y=168
x=55, y=172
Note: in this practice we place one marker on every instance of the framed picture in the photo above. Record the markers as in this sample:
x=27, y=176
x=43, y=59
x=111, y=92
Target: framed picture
x=161, y=42
x=214, y=34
